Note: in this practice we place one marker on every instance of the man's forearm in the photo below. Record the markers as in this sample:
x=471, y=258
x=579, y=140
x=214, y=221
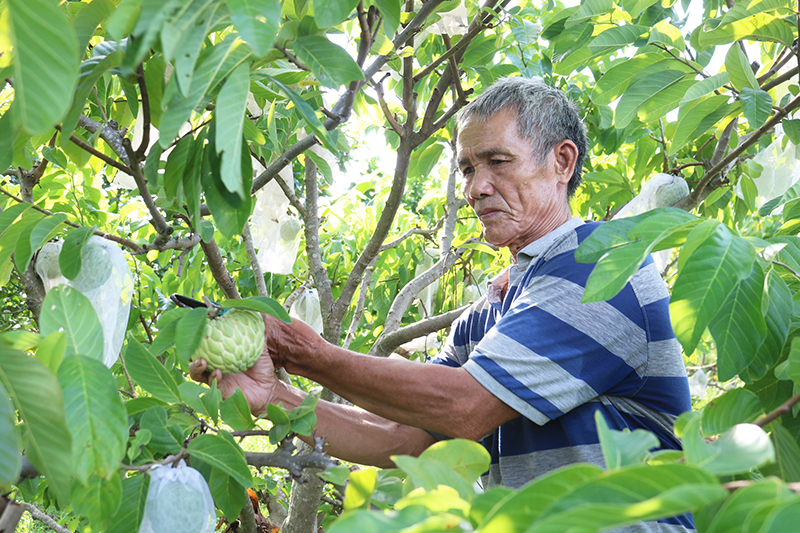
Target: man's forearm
x=355, y=435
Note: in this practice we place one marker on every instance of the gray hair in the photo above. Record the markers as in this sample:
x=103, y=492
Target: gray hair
x=544, y=116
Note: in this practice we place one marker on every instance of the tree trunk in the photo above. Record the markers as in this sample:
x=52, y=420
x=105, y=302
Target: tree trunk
x=304, y=501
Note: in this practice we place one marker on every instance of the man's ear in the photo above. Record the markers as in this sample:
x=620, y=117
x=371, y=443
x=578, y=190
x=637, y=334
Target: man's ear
x=566, y=157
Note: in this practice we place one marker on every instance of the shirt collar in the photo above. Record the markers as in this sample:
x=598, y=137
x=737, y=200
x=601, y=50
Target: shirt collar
x=533, y=250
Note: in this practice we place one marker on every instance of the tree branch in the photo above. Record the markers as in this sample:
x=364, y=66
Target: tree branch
x=389, y=343
x=258, y=274
x=97, y=153
x=110, y=135
x=359, y=311
x=386, y=111
x=140, y=152
x=163, y=229
x=43, y=517
x=784, y=408
x=697, y=195
x=218, y=270
x=286, y=458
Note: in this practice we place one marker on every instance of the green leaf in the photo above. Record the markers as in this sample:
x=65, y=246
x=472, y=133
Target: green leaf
x=614, y=270
x=738, y=328
x=235, y=412
x=756, y=105
x=276, y=414
x=591, y=8
x=736, y=406
x=140, y=440
x=328, y=13
x=760, y=27
x=792, y=129
x=358, y=493
x=96, y=416
x=705, y=87
x=229, y=116
x=705, y=280
x=520, y=509
x=70, y=258
x=787, y=454
x=134, y=496
x=89, y=17
x=738, y=67
x=45, y=62
x=623, y=448
x=390, y=11
x=12, y=213
x=336, y=475
x=37, y=396
x=330, y=63
x=739, y=449
x=697, y=117
x=149, y=373
x=190, y=330
x=744, y=10
x=262, y=304
x=223, y=454
x=668, y=35
x=777, y=319
x=257, y=21
x=10, y=444
x=306, y=111
x=176, y=164
x=41, y=232
x=614, y=82
x=65, y=309
x=734, y=510
x=97, y=499
x=646, y=90
x=616, y=38
x=164, y=437
x=635, y=7
x=456, y=463
x=230, y=211
x=229, y=496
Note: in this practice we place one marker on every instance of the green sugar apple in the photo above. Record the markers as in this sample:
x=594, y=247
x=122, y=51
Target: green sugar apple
x=96, y=267
x=232, y=342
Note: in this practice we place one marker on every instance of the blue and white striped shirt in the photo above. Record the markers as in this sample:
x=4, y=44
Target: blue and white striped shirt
x=557, y=361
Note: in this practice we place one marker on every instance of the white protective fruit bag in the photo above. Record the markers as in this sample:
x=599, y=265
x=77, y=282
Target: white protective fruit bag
x=276, y=233
x=178, y=501
x=308, y=309
x=105, y=279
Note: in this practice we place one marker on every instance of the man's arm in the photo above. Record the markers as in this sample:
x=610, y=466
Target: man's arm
x=433, y=397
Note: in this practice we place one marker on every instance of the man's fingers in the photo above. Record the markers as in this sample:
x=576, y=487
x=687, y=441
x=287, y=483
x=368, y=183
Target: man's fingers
x=197, y=370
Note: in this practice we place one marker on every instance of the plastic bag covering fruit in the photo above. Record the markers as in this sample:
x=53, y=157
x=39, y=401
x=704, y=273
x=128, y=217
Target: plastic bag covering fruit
x=105, y=279
x=780, y=163
x=233, y=341
x=308, y=309
x=276, y=234
x=662, y=190
x=178, y=500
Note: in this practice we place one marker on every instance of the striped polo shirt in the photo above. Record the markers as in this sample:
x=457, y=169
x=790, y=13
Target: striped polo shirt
x=557, y=361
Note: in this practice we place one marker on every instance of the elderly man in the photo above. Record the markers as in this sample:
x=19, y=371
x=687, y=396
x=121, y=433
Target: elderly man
x=526, y=368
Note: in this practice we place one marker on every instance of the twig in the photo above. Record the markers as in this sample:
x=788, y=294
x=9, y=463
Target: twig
x=784, y=408
x=676, y=170
x=391, y=341
x=736, y=485
x=145, y=113
x=258, y=274
x=218, y=270
x=696, y=196
x=359, y=311
x=292, y=298
x=108, y=134
x=43, y=517
x=454, y=68
x=471, y=34
x=122, y=360
x=97, y=153
x=787, y=267
x=386, y=111
x=286, y=458
x=158, y=221
x=780, y=79
x=413, y=231
x=664, y=148
x=170, y=459
x=291, y=57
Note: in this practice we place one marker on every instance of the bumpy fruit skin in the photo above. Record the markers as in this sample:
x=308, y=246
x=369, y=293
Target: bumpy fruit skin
x=232, y=342
x=96, y=268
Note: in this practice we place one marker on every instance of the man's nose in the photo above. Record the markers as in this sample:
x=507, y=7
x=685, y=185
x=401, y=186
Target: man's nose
x=480, y=185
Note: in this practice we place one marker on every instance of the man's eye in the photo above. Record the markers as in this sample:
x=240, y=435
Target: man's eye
x=496, y=162
x=466, y=171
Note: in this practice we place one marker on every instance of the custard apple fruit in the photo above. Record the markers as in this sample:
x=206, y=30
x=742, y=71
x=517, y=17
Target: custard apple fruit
x=232, y=342
x=47, y=260
x=95, y=268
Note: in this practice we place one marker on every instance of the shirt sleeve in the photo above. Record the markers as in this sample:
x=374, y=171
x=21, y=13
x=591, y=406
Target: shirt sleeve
x=550, y=353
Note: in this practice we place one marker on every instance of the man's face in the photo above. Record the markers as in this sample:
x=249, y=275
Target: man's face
x=516, y=199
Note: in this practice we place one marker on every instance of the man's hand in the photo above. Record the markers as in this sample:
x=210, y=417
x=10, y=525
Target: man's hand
x=258, y=383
